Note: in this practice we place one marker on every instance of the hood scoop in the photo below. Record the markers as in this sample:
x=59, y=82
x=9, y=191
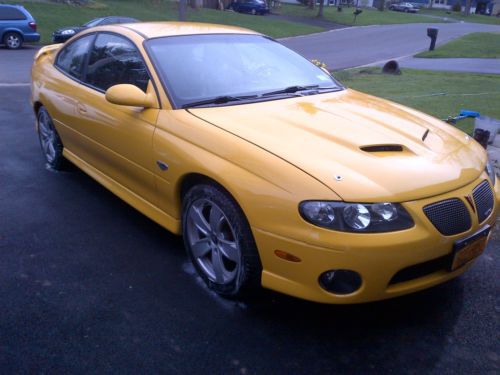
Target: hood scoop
x=387, y=150
x=382, y=148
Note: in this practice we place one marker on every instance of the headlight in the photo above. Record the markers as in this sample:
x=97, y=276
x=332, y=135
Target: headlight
x=67, y=32
x=356, y=217
x=491, y=172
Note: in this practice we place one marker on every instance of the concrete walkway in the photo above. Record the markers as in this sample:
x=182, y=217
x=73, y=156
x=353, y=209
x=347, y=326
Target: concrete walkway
x=491, y=66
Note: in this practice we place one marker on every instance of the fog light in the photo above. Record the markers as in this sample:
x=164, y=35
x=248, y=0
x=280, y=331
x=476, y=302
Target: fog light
x=340, y=281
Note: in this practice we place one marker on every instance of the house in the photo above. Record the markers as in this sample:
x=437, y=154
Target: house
x=477, y=6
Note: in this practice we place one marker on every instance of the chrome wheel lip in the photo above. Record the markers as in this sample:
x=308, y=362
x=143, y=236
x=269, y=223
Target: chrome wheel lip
x=47, y=136
x=13, y=41
x=213, y=242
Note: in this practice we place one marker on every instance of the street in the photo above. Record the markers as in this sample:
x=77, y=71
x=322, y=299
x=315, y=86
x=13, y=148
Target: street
x=357, y=46
x=89, y=285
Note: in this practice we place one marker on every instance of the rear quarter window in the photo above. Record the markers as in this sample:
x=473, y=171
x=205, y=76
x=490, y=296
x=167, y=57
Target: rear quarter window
x=11, y=14
x=72, y=57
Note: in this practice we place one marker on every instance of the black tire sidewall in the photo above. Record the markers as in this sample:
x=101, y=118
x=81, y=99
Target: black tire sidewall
x=248, y=278
x=58, y=162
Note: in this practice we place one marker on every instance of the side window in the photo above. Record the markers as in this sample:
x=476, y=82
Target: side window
x=115, y=60
x=108, y=21
x=11, y=14
x=72, y=58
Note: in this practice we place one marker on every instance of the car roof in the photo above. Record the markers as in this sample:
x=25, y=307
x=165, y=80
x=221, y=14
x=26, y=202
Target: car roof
x=13, y=6
x=161, y=29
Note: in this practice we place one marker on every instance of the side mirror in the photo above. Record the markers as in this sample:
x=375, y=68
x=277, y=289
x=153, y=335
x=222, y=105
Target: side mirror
x=129, y=95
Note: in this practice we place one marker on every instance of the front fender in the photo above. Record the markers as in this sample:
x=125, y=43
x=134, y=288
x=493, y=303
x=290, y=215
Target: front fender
x=267, y=188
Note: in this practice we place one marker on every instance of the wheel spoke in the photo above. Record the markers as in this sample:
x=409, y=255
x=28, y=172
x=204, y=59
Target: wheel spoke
x=45, y=145
x=199, y=221
x=51, y=149
x=218, y=266
x=215, y=219
x=229, y=250
x=201, y=247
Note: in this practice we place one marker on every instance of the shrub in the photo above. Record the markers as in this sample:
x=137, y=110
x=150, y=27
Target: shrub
x=457, y=7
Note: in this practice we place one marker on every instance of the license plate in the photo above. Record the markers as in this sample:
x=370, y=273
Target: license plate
x=469, y=248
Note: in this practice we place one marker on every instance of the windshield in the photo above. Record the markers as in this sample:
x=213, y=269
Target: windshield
x=202, y=67
x=93, y=22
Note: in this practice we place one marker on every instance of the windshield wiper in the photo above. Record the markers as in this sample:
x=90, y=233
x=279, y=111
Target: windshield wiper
x=290, y=90
x=294, y=89
x=218, y=100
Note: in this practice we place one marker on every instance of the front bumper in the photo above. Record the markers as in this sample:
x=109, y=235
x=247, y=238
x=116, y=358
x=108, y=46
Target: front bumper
x=376, y=257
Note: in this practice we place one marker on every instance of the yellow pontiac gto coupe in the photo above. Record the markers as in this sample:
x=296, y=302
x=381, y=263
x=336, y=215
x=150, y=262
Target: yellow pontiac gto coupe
x=274, y=173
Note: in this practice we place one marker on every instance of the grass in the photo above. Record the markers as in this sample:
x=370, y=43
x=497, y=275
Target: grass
x=53, y=16
x=483, y=45
x=368, y=17
x=440, y=95
x=458, y=16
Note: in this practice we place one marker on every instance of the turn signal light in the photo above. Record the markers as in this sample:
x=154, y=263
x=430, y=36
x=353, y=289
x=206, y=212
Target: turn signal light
x=287, y=256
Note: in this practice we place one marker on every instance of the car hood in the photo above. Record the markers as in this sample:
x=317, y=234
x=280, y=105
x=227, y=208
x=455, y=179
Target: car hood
x=363, y=148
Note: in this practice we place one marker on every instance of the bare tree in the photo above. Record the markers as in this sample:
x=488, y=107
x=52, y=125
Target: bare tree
x=468, y=4
x=320, y=10
x=182, y=10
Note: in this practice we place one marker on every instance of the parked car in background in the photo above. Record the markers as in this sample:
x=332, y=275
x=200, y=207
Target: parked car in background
x=17, y=26
x=404, y=7
x=250, y=6
x=63, y=34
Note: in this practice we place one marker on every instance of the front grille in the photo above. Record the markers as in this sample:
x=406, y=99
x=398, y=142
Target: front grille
x=420, y=270
x=484, y=200
x=449, y=216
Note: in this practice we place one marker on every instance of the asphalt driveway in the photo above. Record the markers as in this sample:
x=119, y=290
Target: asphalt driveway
x=89, y=285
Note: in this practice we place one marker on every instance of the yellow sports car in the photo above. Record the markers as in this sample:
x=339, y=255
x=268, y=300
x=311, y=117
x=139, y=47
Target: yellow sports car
x=274, y=173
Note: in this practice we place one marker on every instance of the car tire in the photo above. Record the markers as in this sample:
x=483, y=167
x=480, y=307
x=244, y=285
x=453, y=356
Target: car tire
x=219, y=241
x=50, y=141
x=254, y=12
x=13, y=40
x=407, y=10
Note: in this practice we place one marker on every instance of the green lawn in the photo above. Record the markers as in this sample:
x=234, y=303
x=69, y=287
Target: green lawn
x=484, y=45
x=475, y=18
x=440, y=95
x=52, y=16
x=368, y=17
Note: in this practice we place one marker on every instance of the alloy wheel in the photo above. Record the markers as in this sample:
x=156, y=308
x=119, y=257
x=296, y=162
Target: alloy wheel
x=48, y=136
x=12, y=41
x=213, y=242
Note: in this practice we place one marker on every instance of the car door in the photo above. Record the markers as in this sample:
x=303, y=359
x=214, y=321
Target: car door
x=117, y=139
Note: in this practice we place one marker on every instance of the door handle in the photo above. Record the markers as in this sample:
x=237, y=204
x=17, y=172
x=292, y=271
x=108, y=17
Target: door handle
x=81, y=108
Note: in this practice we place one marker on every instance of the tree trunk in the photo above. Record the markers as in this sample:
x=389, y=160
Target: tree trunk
x=182, y=10
x=320, y=10
x=468, y=4
x=381, y=5
x=311, y=4
x=431, y=2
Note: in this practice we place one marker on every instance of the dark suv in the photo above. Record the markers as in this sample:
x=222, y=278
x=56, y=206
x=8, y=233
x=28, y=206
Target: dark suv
x=17, y=26
x=250, y=6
